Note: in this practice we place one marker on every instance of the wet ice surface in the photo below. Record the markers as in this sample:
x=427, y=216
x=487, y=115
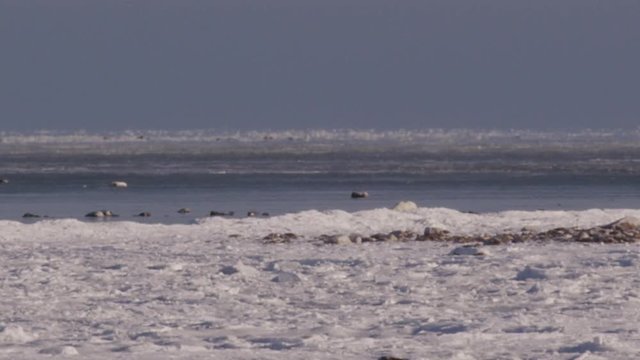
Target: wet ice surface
x=125, y=290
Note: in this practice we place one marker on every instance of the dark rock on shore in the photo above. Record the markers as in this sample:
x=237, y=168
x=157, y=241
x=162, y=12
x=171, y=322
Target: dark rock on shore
x=144, y=214
x=336, y=239
x=434, y=234
x=626, y=230
x=277, y=238
x=405, y=235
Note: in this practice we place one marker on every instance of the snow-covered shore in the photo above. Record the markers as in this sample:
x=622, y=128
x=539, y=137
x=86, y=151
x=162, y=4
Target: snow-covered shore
x=214, y=290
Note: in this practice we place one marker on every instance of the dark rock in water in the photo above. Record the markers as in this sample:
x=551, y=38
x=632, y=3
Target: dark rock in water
x=359, y=194
x=4, y=181
x=144, y=214
x=220, y=213
x=30, y=215
x=101, y=214
x=95, y=214
x=184, y=211
x=265, y=214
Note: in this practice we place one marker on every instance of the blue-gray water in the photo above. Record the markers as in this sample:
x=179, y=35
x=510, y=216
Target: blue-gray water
x=68, y=176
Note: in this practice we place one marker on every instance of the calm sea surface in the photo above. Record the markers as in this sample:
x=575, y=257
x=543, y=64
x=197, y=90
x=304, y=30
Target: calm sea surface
x=67, y=178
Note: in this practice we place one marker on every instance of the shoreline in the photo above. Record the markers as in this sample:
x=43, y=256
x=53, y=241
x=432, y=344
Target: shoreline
x=366, y=226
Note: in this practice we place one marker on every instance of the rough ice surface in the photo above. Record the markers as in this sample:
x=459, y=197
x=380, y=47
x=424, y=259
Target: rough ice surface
x=213, y=290
x=283, y=141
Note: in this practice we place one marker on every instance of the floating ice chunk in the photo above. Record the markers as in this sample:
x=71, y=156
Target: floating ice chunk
x=119, y=184
x=531, y=273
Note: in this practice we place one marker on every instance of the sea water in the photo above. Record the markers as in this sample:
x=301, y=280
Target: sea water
x=66, y=175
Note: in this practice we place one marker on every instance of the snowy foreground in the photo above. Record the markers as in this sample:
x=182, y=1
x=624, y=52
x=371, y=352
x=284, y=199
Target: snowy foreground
x=213, y=290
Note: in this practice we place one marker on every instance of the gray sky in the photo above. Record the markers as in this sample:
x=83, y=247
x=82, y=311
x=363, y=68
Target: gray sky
x=273, y=64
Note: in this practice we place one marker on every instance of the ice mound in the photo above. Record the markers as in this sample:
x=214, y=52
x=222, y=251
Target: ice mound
x=60, y=351
x=531, y=273
x=14, y=334
x=598, y=344
x=240, y=269
x=469, y=250
x=626, y=223
x=405, y=206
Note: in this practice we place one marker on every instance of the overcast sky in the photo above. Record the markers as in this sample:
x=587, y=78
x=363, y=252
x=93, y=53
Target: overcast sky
x=273, y=64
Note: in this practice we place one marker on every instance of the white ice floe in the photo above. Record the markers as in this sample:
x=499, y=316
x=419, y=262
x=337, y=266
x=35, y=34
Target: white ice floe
x=119, y=184
x=101, y=290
